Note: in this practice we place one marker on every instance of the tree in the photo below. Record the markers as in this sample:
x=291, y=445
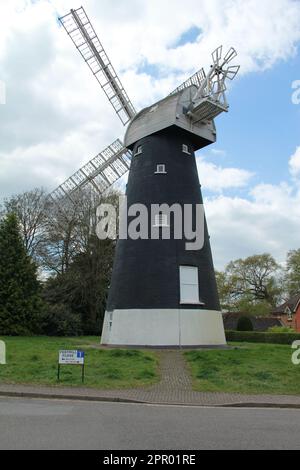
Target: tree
x=83, y=287
x=29, y=208
x=292, y=276
x=69, y=228
x=20, y=302
x=226, y=290
x=61, y=241
x=80, y=264
x=250, y=284
x=91, y=273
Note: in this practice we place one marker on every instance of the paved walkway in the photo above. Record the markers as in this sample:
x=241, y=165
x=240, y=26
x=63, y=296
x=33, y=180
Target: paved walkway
x=174, y=388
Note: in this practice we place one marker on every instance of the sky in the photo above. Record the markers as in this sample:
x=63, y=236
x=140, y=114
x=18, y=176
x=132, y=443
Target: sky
x=56, y=117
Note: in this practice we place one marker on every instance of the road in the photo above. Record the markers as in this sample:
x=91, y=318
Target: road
x=55, y=424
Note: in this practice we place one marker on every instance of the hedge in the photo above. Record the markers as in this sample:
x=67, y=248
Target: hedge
x=262, y=337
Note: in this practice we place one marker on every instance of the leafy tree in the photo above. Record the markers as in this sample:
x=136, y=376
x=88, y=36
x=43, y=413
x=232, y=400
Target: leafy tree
x=226, y=290
x=83, y=287
x=251, y=285
x=61, y=242
x=292, y=277
x=58, y=320
x=30, y=209
x=247, y=305
x=69, y=228
x=20, y=302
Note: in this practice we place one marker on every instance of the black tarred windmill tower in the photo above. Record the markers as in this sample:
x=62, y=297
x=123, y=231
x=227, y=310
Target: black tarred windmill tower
x=161, y=294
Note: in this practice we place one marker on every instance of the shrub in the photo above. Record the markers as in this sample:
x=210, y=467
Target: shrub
x=262, y=337
x=281, y=329
x=244, y=324
x=58, y=320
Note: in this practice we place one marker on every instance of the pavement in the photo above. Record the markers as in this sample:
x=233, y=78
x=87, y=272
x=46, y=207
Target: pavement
x=174, y=388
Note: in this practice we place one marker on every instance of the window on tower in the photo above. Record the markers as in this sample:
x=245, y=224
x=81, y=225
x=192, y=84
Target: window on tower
x=185, y=149
x=189, y=285
x=139, y=150
x=161, y=169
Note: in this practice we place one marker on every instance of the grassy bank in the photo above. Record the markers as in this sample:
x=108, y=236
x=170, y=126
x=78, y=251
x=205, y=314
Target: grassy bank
x=34, y=360
x=252, y=368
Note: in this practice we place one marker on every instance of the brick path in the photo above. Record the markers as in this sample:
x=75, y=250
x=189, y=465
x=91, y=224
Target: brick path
x=175, y=387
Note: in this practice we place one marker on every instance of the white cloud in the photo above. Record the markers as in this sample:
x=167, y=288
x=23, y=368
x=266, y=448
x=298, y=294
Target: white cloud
x=294, y=163
x=216, y=178
x=267, y=221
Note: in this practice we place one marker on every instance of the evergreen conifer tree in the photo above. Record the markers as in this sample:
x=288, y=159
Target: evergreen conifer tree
x=20, y=301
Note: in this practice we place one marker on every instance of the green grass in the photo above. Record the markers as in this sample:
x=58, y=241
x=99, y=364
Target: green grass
x=34, y=360
x=252, y=368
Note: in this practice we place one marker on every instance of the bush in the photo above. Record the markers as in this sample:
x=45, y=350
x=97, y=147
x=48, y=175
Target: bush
x=244, y=324
x=262, y=337
x=281, y=329
x=58, y=320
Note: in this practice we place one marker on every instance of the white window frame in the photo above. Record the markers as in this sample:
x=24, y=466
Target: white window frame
x=161, y=220
x=189, y=285
x=161, y=169
x=289, y=314
x=139, y=150
x=185, y=149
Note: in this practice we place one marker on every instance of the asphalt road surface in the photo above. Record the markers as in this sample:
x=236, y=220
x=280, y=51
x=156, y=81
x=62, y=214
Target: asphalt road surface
x=56, y=424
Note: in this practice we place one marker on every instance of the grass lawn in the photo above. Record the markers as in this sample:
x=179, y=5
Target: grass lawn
x=34, y=360
x=253, y=368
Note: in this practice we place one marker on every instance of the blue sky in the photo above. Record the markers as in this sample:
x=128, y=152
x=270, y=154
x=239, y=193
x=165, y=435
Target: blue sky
x=262, y=129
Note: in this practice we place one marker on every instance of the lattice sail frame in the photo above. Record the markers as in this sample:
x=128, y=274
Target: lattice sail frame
x=85, y=39
x=100, y=173
x=197, y=79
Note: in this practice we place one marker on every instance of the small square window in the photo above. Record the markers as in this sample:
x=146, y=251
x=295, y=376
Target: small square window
x=186, y=149
x=139, y=150
x=161, y=220
x=161, y=169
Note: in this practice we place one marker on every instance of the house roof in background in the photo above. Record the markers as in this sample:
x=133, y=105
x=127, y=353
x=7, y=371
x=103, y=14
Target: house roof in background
x=291, y=303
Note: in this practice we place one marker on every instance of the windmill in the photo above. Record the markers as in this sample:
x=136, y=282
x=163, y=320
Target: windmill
x=161, y=294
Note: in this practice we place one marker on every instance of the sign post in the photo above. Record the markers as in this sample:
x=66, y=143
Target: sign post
x=71, y=357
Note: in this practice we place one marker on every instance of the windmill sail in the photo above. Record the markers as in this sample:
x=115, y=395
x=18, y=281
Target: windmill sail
x=83, y=35
x=197, y=79
x=99, y=173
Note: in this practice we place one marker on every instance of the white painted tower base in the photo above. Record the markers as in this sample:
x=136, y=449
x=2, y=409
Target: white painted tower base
x=167, y=327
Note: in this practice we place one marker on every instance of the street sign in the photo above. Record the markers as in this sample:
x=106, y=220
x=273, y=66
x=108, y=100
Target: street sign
x=71, y=357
